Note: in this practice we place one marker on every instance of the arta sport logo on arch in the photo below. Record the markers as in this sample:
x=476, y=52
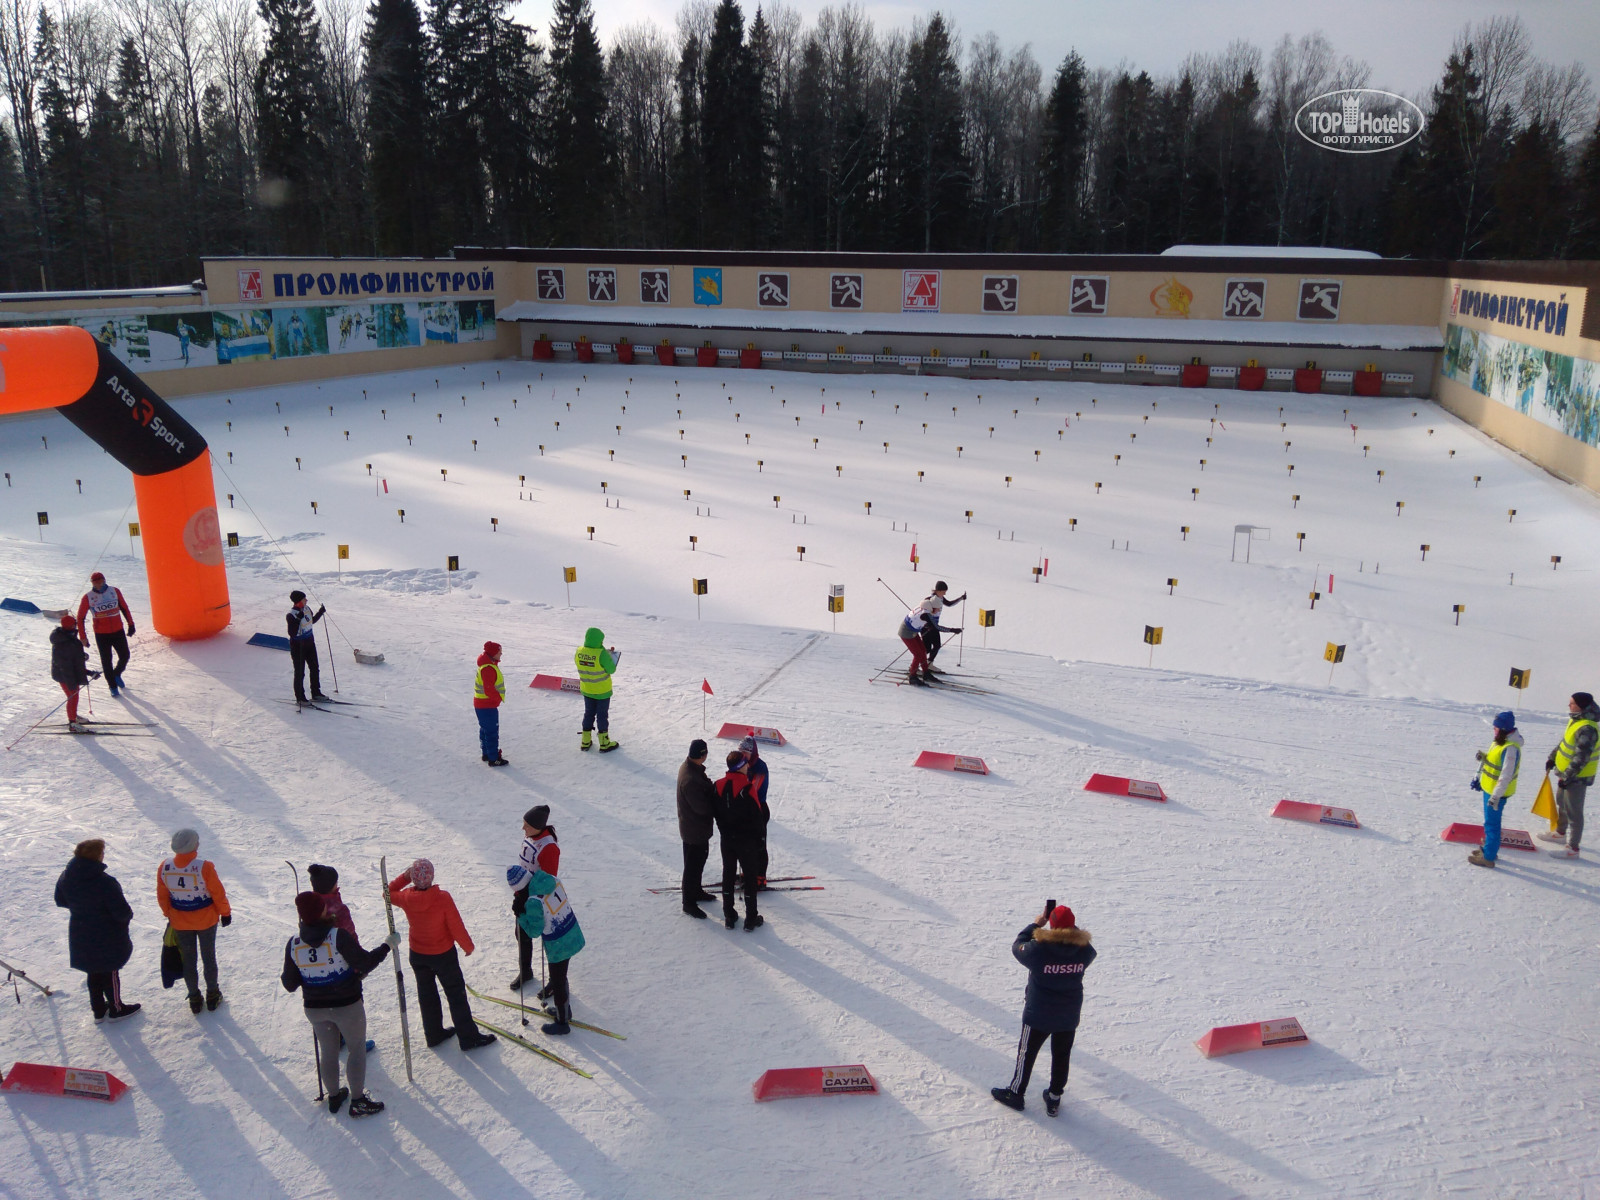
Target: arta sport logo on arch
x=1359, y=121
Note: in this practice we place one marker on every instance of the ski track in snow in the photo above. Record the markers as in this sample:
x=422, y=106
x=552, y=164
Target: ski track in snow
x=1453, y=1035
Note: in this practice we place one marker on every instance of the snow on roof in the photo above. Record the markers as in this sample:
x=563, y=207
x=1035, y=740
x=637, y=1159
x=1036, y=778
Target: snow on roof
x=1264, y=252
x=1098, y=329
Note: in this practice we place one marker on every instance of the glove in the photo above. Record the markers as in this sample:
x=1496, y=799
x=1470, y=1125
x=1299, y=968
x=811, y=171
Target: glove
x=956, y=629
x=227, y=920
x=961, y=597
x=1550, y=764
x=1474, y=784
x=393, y=941
x=1482, y=756
x=94, y=674
x=131, y=629
x=322, y=609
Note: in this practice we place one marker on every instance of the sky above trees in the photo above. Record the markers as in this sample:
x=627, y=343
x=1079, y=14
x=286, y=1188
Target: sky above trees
x=1405, y=43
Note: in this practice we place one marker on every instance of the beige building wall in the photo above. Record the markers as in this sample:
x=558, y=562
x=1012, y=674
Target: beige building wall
x=1564, y=457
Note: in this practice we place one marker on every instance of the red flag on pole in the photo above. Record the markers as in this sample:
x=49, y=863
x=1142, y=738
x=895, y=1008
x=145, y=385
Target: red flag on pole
x=705, y=686
x=913, y=552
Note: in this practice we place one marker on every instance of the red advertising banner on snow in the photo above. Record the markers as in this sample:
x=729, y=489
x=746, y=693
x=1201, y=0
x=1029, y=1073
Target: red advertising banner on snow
x=1116, y=785
x=1322, y=814
x=38, y=1079
x=761, y=733
x=1472, y=835
x=554, y=683
x=789, y=1083
x=1230, y=1039
x=964, y=763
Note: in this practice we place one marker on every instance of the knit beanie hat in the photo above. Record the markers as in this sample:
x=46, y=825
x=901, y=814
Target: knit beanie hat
x=184, y=841
x=1062, y=918
x=1583, y=699
x=296, y=596
x=1506, y=720
x=490, y=649
x=97, y=577
x=68, y=621
x=311, y=908
x=323, y=879
x=698, y=748
x=538, y=816
x=422, y=873
x=747, y=744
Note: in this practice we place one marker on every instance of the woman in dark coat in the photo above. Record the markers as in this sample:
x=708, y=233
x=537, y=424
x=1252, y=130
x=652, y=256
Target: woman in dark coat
x=97, y=935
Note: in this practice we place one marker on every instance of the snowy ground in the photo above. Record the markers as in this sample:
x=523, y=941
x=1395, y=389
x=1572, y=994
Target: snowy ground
x=1450, y=1009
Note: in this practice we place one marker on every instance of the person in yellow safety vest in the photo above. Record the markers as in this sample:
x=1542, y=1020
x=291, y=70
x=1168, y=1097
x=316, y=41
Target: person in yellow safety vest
x=596, y=664
x=1497, y=781
x=488, y=690
x=1576, y=760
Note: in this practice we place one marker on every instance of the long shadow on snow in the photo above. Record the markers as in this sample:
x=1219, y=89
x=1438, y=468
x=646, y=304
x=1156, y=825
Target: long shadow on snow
x=202, y=1127
x=1059, y=723
x=918, y=1030
x=543, y=1126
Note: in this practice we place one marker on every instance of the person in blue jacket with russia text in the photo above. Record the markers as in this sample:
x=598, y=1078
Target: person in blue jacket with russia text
x=1056, y=953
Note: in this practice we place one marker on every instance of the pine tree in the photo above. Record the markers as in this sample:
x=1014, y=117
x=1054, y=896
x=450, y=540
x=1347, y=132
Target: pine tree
x=397, y=131
x=731, y=134
x=930, y=179
x=1586, y=200
x=1530, y=196
x=294, y=112
x=689, y=163
x=1440, y=202
x=1064, y=163
x=579, y=150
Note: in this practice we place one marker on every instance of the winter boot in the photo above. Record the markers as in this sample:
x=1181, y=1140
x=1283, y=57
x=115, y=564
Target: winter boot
x=483, y=1039
x=213, y=998
x=753, y=921
x=1477, y=859
x=730, y=917
x=321, y=699
x=336, y=1101
x=364, y=1106
x=705, y=895
x=195, y=1003
x=1007, y=1097
x=559, y=1027
x=606, y=743
x=499, y=761
x=588, y=741
x=694, y=910
x=127, y=1010
x=444, y=1036
x=1052, y=1103
x=547, y=991
x=917, y=681
x=521, y=978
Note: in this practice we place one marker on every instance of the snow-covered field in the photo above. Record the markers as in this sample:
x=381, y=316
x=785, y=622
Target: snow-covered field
x=1453, y=1032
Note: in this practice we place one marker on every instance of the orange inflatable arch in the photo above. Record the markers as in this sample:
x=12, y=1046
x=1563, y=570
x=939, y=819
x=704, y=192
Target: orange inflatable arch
x=63, y=367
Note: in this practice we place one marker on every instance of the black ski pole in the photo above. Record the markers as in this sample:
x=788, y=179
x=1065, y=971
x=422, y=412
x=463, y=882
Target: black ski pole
x=316, y=1046
x=894, y=593
x=332, y=666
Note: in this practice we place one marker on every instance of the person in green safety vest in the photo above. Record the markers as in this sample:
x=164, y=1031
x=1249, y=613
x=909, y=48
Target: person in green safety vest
x=596, y=665
x=1576, y=761
x=1497, y=781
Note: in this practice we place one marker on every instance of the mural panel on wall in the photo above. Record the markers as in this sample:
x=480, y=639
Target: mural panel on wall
x=1554, y=389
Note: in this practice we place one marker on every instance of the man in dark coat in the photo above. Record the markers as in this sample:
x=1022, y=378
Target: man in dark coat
x=697, y=809
x=1056, y=953
x=69, y=666
x=97, y=933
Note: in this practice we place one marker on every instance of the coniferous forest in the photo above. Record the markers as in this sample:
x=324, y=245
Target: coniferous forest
x=138, y=135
